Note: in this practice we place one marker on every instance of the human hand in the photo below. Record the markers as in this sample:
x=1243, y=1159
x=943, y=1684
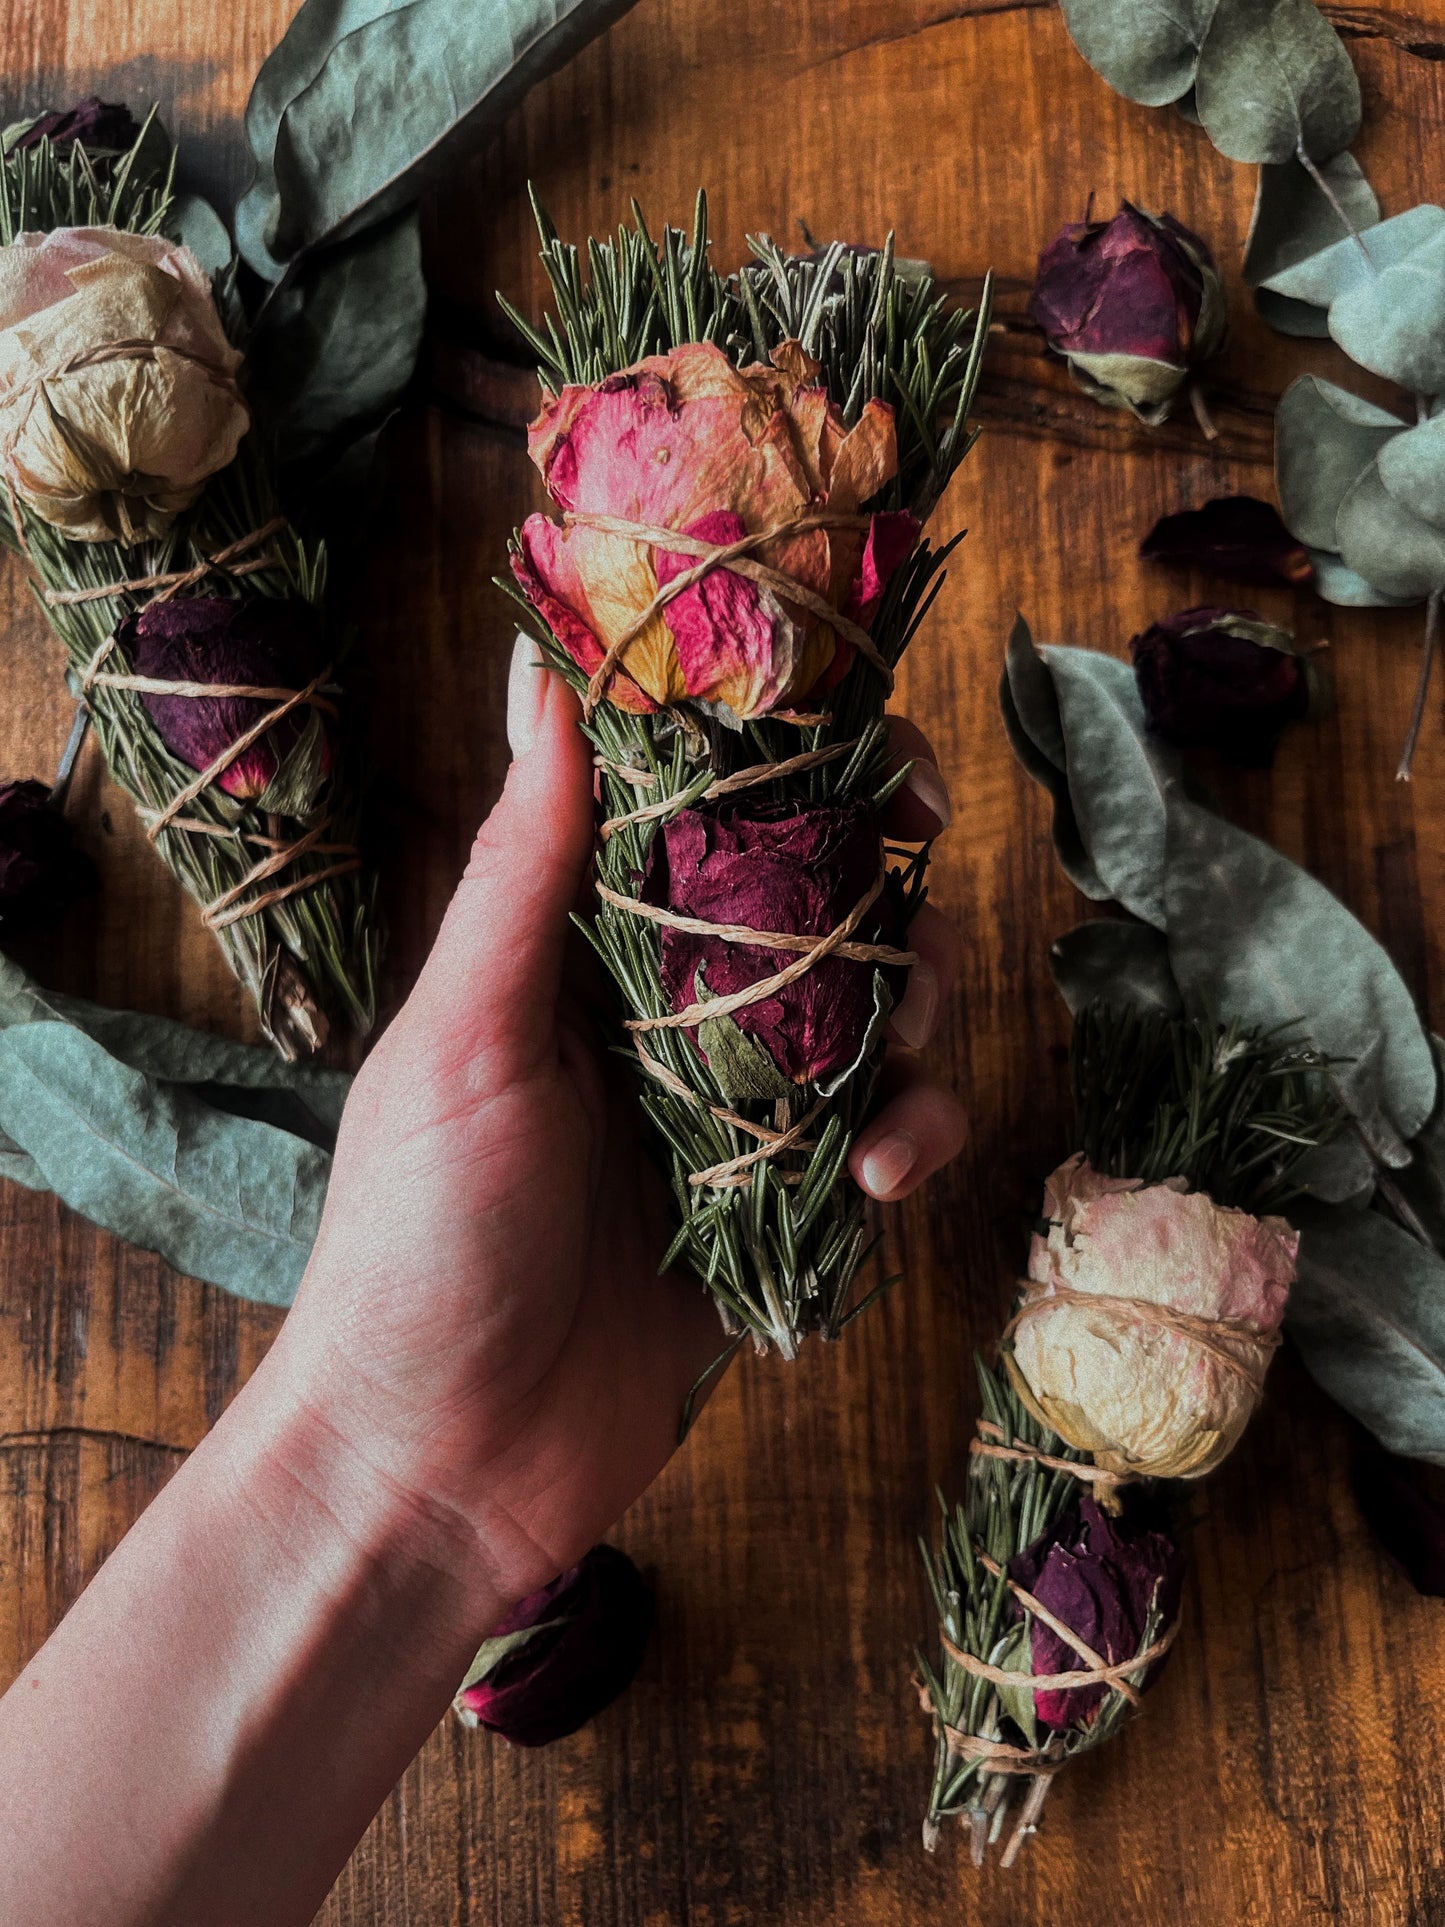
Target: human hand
x=482, y=1319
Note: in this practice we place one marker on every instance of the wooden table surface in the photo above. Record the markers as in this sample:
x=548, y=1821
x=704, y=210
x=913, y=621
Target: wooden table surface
x=769, y=1764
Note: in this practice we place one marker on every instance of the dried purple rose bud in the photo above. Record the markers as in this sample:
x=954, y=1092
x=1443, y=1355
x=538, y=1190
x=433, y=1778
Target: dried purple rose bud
x=1133, y=305
x=1118, y=1590
x=798, y=872
x=1222, y=679
x=101, y=126
x=1237, y=536
x=41, y=871
x=562, y=1654
x=263, y=644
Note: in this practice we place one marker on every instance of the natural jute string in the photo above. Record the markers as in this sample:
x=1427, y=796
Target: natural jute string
x=991, y=1443
x=736, y=557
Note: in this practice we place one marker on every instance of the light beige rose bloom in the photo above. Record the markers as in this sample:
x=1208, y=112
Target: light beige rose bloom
x=1154, y=1395
x=118, y=391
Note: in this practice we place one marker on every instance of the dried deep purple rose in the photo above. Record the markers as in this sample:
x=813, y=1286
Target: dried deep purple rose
x=1132, y=304
x=797, y=872
x=1221, y=678
x=1103, y=1583
x=102, y=126
x=1237, y=536
x=592, y=1630
x=41, y=871
x=263, y=644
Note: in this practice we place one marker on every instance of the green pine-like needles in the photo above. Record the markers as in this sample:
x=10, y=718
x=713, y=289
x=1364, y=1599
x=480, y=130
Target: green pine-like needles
x=781, y=1251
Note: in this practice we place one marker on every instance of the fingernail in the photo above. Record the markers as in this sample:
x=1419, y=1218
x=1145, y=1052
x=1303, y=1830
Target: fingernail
x=916, y=1015
x=887, y=1165
x=526, y=695
x=927, y=787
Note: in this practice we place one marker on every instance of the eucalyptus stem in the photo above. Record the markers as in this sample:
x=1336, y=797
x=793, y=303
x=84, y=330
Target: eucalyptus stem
x=1422, y=686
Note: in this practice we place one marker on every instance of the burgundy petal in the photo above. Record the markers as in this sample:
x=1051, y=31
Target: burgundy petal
x=100, y=125
x=1101, y=1580
x=568, y=1673
x=1237, y=536
x=798, y=871
x=262, y=644
x=1206, y=681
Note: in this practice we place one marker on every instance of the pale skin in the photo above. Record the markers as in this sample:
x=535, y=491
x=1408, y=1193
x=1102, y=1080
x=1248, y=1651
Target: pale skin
x=481, y=1372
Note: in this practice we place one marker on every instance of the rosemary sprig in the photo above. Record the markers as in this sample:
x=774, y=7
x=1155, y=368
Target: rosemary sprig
x=317, y=948
x=780, y=1254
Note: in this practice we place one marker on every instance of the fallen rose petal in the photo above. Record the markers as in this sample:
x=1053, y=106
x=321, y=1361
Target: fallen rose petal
x=1223, y=679
x=1237, y=536
x=595, y=1621
x=102, y=127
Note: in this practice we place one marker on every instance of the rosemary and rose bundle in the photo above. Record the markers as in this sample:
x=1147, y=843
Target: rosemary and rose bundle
x=137, y=482
x=1156, y=1284
x=742, y=468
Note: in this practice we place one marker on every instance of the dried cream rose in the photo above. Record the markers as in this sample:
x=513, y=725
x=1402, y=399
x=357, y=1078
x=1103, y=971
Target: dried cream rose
x=1142, y=1395
x=118, y=391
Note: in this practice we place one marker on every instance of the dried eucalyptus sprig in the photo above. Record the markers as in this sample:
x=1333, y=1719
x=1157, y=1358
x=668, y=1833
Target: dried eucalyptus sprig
x=249, y=807
x=730, y=605
x=1055, y=1601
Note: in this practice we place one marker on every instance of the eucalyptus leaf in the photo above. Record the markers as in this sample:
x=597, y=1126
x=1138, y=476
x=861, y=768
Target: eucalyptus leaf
x=1394, y=324
x=336, y=346
x=1381, y=540
x=1340, y=585
x=196, y=224
x=1146, y=50
x=1274, y=78
x=1412, y=468
x=1419, y=1190
x=225, y=1199
x=1367, y=1312
x=359, y=99
x=1253, y=936
x=19, y=1166
x=1119, y=777
x=1324, y=439
x=1031, y=719
x=1124, y=965
x=1346, y=265
x=1292, y=221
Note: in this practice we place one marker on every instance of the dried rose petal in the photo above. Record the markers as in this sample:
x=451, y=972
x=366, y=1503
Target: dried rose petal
x=1141, y=1396
x=1221, y=678
x=797, y=871
x=558, y=1681
x=1102, y=1582
x=99, y=125
x=265, y=644
x=1132, y=304
x=41, y=871
x=1237, y=536
x=687, y=442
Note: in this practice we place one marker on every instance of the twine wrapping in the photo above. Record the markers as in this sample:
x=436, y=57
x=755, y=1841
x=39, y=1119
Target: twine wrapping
x=990, y=1443
x=1210, y=1334
x=736, y=557
x=742, y=779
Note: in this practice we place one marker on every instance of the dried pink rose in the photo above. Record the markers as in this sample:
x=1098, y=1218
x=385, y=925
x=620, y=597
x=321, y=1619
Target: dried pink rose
x=1132, y=304
x=687, y=442
x=797, y=872
x=1105, y=1583
x=118, y=393
x=1142, y=1396
x=581, y=1641
x=219, y=640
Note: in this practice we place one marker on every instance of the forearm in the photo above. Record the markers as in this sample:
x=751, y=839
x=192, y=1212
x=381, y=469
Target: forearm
x=209, y=1731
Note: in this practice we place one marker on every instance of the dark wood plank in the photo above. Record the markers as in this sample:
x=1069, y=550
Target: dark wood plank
x=769, y=1763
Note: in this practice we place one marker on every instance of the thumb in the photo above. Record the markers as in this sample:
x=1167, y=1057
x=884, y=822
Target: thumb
x=494, y=973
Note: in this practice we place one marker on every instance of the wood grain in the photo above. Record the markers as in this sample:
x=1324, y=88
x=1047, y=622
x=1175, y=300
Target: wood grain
x=769, y=1763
